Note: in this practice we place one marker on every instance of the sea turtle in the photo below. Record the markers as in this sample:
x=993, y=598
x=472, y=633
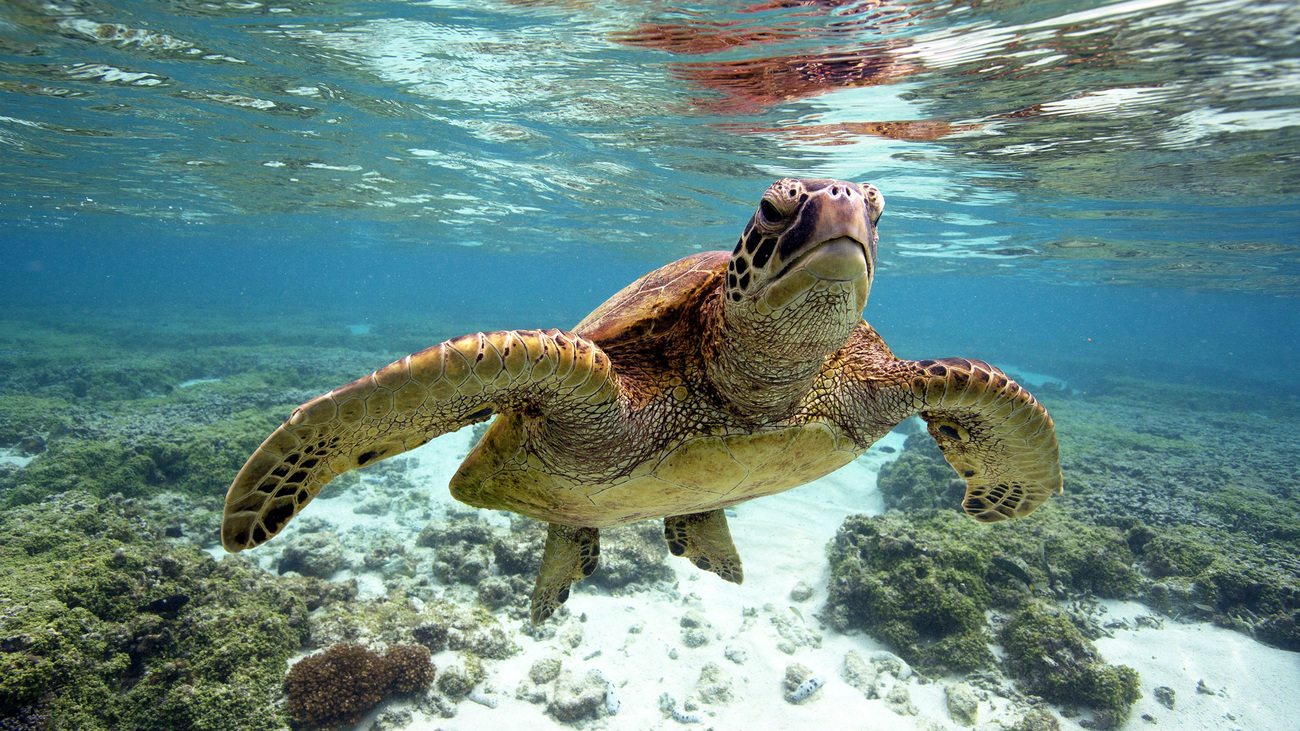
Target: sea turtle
x=716, y=379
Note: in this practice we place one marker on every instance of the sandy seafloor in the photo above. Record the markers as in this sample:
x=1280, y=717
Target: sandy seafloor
x=781, y=539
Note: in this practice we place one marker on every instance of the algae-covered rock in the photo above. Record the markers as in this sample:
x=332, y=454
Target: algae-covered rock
x=314, y=554
x=920, y=478
x=632, y=554
x=922, y=581
x=545, y=670
x=1046, y=652
x=962, y=704
x=714, y=685
x=108, y=626
x=463, y=549
x=577, y=697
x=924, y=595
x=457, y=681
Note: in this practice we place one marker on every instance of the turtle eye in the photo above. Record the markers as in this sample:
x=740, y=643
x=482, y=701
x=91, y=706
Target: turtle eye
x=770, y=212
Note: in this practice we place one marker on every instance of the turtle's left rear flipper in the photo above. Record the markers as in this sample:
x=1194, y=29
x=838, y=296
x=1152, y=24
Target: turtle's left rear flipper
x=404, y=405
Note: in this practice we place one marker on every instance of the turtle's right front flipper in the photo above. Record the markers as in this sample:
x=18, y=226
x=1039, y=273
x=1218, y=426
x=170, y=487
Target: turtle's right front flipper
x=404, y=405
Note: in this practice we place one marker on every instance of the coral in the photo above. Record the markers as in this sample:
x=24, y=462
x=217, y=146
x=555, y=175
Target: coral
x=577, y=697
x=339, y=685
x=630, y=555
x=920, y=478
x=107, y=625
x=457, y=682
x=1046, y=652
x=922, y=581
x=313, y=554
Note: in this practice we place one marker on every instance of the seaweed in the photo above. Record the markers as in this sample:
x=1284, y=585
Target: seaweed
x=98, y=637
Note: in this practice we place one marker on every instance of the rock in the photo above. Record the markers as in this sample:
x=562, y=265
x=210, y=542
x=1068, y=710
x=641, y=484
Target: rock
x=571, y=636
x=714, y=685
x=736, y=654
x=887, y=662
x=801, y=592
x=397, y=566
x=695, y=629
x=530, y=693
x=1165, y=695
x=373, y=506
x=391, y=720
x=858, y=674
x=963, y=706
x=899, y=701
x=545, y=670
x=694, y=619
x=632, y=554
x=801, y=683
x=456, y=682
x=315, y=554
x=695, y=637
x=577, y=697
x=794, y=633
x=519, y=551
x=1037, y=719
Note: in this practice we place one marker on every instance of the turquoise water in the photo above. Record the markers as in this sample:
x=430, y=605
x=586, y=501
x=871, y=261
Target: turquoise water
x=272, y=198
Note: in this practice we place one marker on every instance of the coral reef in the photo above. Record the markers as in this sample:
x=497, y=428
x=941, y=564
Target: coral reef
x=1047, y=653
x=632, y=555
x=920, y=478
x=107, y=625
x=396, y=619
x=339, y=685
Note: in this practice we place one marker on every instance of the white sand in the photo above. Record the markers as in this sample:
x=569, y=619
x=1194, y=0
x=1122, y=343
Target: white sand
x=781, y=540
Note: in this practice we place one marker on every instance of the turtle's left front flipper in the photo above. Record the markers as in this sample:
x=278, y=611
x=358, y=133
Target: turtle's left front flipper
x=992, y=431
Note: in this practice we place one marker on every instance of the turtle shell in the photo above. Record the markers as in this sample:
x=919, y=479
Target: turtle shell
x=655, y=303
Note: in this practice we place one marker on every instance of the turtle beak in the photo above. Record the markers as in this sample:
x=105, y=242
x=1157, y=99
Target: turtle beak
x=841, y=259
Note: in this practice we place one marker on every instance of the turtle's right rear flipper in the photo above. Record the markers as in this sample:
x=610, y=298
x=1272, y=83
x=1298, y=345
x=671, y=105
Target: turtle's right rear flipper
x=404, y=405
x=571, y=555
x=705, y=539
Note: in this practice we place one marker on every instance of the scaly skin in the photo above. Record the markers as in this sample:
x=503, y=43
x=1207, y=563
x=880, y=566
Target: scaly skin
x=713, y=380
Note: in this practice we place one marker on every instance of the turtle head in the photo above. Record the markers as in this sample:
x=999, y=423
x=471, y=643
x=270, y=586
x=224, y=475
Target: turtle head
x=795, y=288
x=810, y=250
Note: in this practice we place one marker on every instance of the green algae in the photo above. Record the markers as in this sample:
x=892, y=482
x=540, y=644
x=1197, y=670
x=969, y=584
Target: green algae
x=197, y=460
x=1046, y=652
x=922, y=581
x=920, y=478
x=105, y=625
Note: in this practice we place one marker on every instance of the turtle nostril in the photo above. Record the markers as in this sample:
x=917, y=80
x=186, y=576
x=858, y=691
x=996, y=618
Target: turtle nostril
x=835, y=190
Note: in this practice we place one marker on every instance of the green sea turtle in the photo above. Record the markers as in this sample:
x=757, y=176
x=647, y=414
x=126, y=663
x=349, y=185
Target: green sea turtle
x=716, y=379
